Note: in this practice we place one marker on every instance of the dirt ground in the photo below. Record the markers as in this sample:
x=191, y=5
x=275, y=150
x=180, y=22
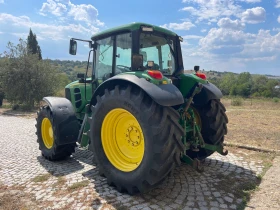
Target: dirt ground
x=255, y=123
x=12, y=198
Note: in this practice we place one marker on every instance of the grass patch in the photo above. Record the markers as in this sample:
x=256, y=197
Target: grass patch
x=60, y=181
x=78, y=185
x=244, y=188
x=236, y=102
x=13, y=198
x=275, y=100
x=239, y=187
x=41, y=178
x=246, y=191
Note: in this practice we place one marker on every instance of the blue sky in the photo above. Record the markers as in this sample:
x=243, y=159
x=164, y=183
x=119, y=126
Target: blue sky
x=222, y=35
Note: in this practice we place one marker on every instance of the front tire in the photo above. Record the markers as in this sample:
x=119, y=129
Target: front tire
x=122, y=116
x=47, y=137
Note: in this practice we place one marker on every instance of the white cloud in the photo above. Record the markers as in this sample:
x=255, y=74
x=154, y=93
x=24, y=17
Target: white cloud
x=223, y=41
x=179, y=26
x=265, y=58
x=212, y=10
x=254, y=15
x=189, y=9
x=45, y=31
x=203, y=30
x=54, y=8
x=278, y=19
x=230, y=24
x=276, y=29
x=277, y=3
x=251, y=1
x=228, y=44
x=192, y=37
x=20, y=35
x=266, y=42
x=64, y=1
x=85, y=12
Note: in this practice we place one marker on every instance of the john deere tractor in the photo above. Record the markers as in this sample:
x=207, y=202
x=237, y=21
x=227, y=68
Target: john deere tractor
x=137, y=111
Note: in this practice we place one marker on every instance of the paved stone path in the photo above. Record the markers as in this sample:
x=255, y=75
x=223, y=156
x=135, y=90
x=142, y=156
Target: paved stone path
x=75, y=184
x=268, y=195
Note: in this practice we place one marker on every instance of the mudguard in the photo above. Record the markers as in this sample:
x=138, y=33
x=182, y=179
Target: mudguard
x=165, y=95
x=65, y=124
x=208, y=92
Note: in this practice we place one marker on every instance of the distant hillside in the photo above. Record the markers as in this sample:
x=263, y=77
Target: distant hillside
x=71, y=68
x=217, y=74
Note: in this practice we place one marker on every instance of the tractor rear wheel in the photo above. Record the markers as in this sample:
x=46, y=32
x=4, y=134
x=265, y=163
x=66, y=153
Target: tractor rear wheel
x=135, y=141
x=213, y=121
x=47, y=138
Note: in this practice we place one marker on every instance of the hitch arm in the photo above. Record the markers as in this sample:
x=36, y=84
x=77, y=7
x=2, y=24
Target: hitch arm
x=218, y=148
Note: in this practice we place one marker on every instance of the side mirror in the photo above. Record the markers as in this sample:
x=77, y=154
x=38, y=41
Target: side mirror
x=137, y=61
x=73, y=47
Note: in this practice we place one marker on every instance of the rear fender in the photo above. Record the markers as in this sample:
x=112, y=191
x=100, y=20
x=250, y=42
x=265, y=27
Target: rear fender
x=165, y=95
x=65, y=124
x=208, y=92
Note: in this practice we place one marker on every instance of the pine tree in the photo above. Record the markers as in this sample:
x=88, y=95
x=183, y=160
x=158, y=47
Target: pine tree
x=39, y=52
x=32, y=45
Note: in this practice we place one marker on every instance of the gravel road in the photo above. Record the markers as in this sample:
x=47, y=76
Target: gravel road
x=75, y=184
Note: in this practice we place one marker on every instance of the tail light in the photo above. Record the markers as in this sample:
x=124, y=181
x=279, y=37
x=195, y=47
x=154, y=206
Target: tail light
x=201, y=75
x=155, y=74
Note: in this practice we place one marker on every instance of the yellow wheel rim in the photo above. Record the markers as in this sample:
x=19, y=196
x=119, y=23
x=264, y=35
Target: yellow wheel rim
x=47, y=133
x=196, y=117
x=122, y=140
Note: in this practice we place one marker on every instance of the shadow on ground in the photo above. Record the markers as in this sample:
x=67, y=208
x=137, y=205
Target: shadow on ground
x=224, y=184
x=69, y=165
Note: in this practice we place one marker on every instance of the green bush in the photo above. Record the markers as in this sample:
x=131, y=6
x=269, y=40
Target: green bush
x=25, y=79
x=275, y=100
x=236, y=102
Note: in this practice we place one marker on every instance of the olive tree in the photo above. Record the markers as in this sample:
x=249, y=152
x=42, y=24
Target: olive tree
x=25, y=78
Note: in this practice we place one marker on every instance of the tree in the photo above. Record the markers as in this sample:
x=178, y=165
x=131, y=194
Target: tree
x=25, y=78
x=259, y=85
x=242, y=85
x=32, y=45
x=228, y=81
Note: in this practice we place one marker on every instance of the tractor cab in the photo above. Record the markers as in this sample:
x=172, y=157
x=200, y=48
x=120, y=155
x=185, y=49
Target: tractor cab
x=136, y=47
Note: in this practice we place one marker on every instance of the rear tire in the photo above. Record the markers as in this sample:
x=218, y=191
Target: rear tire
x=214, y=126
x=161, y=135
x=47, y=137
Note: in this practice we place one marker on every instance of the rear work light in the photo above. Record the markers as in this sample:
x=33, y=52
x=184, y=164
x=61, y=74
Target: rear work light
x=155, y=74
x=201, y=75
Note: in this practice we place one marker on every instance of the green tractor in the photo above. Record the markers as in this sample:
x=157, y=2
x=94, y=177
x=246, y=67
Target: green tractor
x=138, y=112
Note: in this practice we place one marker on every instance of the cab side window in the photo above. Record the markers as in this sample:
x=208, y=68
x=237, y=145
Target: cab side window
x=104, y=58
x=123, y=56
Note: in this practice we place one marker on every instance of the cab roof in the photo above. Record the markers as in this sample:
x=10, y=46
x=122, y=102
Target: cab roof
x=128, y=28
